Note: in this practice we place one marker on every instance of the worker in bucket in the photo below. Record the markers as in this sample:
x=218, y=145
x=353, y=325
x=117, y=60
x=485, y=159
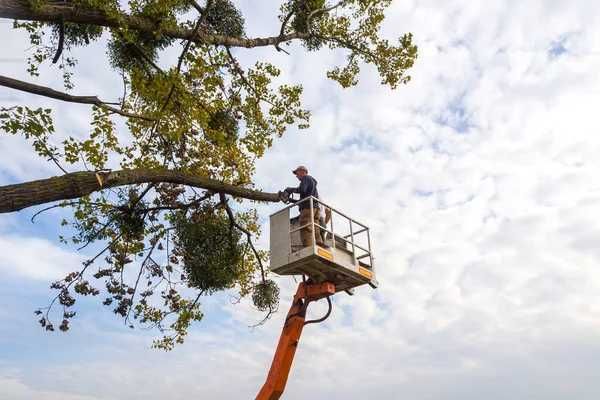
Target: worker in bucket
x=307, y=188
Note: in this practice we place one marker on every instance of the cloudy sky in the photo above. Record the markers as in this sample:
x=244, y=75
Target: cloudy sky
x=478, y=180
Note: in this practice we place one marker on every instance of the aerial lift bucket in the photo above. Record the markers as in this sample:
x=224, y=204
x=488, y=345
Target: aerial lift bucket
x=339, y=252
x=334, y=260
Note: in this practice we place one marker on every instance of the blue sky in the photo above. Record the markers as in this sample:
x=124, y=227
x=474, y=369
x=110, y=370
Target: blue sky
x=478, y=179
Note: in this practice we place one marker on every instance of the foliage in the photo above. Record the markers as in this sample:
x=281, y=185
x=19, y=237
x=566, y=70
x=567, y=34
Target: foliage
x=354, y=25
x=35, y=125
x=158, y=248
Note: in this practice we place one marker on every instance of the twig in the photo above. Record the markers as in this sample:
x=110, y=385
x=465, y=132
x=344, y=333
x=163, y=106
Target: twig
x=266, y=318
x=137, y=281
x=232, y=221
x=86, y=264
x=71, y=203
x=51, y=207
x=53, y=158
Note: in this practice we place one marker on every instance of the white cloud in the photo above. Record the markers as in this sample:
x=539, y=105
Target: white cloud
x=13, y=388
x=35, y=258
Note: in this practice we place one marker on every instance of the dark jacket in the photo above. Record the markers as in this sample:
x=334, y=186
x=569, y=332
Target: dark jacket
x=307, y=187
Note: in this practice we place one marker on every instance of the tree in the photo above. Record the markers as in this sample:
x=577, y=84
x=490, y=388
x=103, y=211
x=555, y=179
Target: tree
x=162, y=217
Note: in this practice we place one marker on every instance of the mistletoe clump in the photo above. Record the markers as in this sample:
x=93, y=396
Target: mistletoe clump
x=222, y=127
x=209, y=249
x=265, y=295
x=224, y=18
x=304, y=11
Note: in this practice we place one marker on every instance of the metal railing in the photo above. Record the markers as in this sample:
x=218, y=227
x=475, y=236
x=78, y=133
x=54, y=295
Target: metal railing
x=349, y=239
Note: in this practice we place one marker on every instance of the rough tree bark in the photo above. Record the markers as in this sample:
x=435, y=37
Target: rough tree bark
x=77, y=184
x=59, y=11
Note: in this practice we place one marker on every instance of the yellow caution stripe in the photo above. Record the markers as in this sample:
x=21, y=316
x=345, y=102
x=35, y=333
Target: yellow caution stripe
x=365, y=272
x=325, y=254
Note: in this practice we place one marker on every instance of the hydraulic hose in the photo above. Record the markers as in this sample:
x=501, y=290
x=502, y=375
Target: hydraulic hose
x=323, y=318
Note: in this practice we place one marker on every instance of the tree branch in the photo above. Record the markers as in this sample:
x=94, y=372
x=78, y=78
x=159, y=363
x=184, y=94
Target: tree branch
x=282, y=30
x=53, y=12
x=78, y=184
x=197, y=6
x=61, y=42
x=54, y=94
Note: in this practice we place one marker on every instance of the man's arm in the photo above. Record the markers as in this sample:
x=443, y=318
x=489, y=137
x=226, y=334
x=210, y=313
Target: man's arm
x=288, y=194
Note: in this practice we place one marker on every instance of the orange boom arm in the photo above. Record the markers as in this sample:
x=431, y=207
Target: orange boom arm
x=290, y=336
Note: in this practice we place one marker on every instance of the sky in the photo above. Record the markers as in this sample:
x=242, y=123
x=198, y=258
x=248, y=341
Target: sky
x=478, y=180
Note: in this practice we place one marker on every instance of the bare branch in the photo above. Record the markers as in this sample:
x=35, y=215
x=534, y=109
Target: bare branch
x=54, y=94
x=61, y=42
x=52, y=207
x=282, y=30
x=53, y=158
x=266, y=318
x=70, y=203
x=197, y=6
x=86, y=265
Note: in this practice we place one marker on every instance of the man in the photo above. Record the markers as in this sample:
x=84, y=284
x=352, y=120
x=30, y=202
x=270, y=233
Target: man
x=307, y=188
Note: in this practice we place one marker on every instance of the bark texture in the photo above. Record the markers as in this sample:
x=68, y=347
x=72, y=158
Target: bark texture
x=77, y=184
x=59, y=11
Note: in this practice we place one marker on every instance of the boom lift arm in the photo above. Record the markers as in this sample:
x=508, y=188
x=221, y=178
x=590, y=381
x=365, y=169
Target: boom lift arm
x=290, y=336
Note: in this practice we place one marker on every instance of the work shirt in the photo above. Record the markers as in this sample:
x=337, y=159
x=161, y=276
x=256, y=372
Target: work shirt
x=307, y=188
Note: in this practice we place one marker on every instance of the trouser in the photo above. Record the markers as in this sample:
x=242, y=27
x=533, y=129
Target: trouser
x=306, y=233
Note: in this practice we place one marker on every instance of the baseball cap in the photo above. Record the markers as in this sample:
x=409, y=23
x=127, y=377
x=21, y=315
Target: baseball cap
x=300, y=168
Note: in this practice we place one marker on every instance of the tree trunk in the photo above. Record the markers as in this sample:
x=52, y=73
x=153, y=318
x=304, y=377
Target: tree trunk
x=59, y=11
x=77, y=184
